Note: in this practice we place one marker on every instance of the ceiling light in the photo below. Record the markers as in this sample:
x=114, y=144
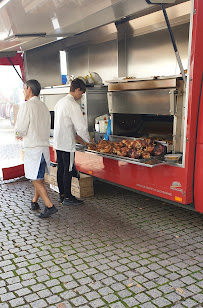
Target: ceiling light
x=160, y=1
x=55, y=23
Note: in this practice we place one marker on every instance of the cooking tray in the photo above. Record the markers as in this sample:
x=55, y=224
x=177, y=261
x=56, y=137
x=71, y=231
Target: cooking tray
x=147, y=162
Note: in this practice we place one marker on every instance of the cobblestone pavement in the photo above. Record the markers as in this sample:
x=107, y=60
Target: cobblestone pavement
x=119, y=249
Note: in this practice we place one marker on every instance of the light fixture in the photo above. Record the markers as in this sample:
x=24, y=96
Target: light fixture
x=55, y=23
x=25, y=35
x=3, y=3
x=160, y=1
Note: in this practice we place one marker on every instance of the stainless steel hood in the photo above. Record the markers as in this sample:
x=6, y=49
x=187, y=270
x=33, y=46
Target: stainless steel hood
x=22, y=22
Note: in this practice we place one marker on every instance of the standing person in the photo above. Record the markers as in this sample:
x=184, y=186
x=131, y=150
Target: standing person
x=69, y=124
x=33, y=125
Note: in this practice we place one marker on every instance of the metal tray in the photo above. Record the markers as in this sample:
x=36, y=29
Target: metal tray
x=148, y=162
x=80, y=147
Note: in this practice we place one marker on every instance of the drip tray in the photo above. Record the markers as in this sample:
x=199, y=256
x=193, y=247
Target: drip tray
x=148, y=162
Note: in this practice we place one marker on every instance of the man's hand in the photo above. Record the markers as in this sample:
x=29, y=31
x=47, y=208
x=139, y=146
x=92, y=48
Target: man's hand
x=92, y=140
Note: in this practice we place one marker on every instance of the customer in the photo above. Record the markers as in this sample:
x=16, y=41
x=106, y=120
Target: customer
x=33, y=125
x=69, y=124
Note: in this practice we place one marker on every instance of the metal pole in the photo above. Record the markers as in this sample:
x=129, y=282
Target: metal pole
x=15, y=68
x=174, y=43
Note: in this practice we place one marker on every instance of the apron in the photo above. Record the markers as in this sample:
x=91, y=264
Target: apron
x=32, y=160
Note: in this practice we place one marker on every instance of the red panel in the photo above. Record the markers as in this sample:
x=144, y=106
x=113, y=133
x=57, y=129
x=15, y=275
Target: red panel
x=17, y=60
x=198, y=187
x=52, y=152
x=164, y=181
x=196, y=70
x=13, y=172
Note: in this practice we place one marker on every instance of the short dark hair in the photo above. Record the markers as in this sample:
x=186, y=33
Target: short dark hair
x=77, y=83
x=34, y=85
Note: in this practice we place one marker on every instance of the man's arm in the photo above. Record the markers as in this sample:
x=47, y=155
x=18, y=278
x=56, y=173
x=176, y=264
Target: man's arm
x=81, y=141
x=79, y=124
x=22, y=122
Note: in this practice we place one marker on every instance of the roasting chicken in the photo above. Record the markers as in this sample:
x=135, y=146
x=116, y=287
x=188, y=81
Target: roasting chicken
x=139, y=148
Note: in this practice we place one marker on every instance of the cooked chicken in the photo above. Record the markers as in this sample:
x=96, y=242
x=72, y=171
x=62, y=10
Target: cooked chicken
x=150, y=148
x=139, y=148
x=146, y=155
x=135, y=153
x=159, y=149
x=91, y=147
x=123, y=151
x=107, y=149
x=137, y=144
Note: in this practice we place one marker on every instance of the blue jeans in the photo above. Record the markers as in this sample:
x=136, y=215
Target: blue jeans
x=42, y=166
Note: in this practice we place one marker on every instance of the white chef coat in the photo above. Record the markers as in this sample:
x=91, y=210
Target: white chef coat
x=33, y=124
x=68, y=120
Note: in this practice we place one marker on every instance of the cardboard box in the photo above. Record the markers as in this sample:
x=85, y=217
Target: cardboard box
x=83, y=187
x=47, y=178
x=53, y=175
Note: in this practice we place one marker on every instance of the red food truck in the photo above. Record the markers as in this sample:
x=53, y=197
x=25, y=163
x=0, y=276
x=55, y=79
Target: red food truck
x=181, y=182
x=167, y=108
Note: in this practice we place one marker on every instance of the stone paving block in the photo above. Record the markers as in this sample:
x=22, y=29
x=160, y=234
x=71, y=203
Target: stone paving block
x=194, y=289
x=117, y=305
x=39, y=303
x=173, y=297
x=108, y=281
x=44, y=293
x=38, y=287
x=83, y=289
x=17, y=302
x=147, y=305
x=161, y=302
x=124, y=293
x=95, y=285
x=2, y=283
x=92, y=295
x=4, y=305
x=189, y=303
x=6, y=275
x=110, y=298
x=78, y=301
x=7, y=296
x=3, y=290
x=53, y=299
x=154, y=293
x=97, y=303
x=117, y=286
x=43, y=278
x=71, y=285
x=142, y=297
x=85, y=280
x=68, y=294
x=31, y=297
x=188, y=280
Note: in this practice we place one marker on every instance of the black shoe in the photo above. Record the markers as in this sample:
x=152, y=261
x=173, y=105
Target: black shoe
x=72, y=201
x=61, y=198
x=48, y=211
x=34, y=206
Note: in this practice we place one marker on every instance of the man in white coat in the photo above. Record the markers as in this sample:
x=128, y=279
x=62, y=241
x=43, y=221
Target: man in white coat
x=69, y=123
x=33, y=125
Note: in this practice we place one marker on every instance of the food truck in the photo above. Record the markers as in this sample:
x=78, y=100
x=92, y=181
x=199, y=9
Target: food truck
x=149, y=55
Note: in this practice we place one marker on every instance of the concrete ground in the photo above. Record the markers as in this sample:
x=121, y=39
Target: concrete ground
x=119, y=249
